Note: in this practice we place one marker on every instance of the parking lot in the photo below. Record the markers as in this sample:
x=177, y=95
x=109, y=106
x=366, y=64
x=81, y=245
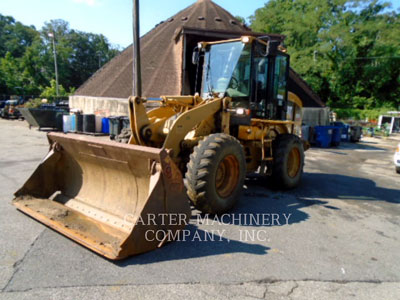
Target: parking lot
x=336, y=236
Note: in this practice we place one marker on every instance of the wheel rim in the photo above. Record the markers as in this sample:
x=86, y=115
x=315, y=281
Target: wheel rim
x=227, y=176
x=293, y=166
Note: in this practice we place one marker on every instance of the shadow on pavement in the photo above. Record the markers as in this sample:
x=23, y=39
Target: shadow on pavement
x=262, y=206
x=334, y=186
x=363, y=145
x=359, y=146
x=192, y=247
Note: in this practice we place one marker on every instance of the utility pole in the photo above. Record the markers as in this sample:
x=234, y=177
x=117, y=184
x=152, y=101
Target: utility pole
x=137, y=80
x=51, y=34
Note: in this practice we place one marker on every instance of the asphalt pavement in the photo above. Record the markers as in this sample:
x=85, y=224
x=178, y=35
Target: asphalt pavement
x=335, y=237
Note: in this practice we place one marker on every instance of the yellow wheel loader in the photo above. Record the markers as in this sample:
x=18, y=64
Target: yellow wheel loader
x=124, y=199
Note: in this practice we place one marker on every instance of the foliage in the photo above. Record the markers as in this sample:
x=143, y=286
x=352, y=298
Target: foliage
x=241, y=20
x=27, y=60
x=34, y=103
x=360, y=114
x=15, y=37
x=11, y=77
x=347, y=50
x=51, y=91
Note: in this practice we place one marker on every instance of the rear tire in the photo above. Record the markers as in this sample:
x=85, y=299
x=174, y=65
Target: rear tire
x=288, y=161
x=215, y=173
x=398, y=170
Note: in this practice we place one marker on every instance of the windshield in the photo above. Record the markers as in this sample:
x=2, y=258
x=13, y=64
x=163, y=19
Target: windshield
x=227, y=70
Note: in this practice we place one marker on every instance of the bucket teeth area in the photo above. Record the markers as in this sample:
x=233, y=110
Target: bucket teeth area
x=97, y=236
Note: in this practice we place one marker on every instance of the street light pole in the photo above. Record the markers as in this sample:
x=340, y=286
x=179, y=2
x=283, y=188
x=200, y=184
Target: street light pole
x=51, y=34
x=137, y=80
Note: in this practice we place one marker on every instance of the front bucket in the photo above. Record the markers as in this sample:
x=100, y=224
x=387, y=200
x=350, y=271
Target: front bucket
x=116, y=199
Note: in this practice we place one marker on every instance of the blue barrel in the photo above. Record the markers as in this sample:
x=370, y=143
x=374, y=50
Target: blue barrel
x=323, y=136
x=73, y=123
x=105, y=126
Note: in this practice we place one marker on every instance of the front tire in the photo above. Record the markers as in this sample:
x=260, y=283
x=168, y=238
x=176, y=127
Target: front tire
x=288, y=163
x=215, y=173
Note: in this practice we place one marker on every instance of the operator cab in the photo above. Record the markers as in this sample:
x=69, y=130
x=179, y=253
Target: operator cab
x=251, y=71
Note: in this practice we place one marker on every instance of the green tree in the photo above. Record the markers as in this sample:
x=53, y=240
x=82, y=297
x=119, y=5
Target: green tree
x=36, y=63
x=15, y=37
x=90, y=52
x=12, y=79
x=27, y=61
x=51, y=91
x=241, y=20
x=346, y=50
x=79, y=54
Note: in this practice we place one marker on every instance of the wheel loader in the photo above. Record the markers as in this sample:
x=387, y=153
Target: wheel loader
x=111, y=197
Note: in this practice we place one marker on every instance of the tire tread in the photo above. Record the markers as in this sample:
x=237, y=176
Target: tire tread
x=198, y=169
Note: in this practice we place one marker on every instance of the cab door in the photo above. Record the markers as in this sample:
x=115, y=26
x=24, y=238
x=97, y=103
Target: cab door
x=280, y=73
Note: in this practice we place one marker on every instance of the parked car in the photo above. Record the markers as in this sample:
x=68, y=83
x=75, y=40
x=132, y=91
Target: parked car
x=397, y=159
x=10, y=110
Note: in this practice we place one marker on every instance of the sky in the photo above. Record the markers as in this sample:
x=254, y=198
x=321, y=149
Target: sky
x=113, y=18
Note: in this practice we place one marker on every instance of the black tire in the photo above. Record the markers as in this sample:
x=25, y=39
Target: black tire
x=208, y=179
x=398, y=170
x=285, y=147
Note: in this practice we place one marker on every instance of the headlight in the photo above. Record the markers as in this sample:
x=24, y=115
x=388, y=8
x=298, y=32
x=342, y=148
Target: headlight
x=240, y=111
x=245, y=39
x=243, y=111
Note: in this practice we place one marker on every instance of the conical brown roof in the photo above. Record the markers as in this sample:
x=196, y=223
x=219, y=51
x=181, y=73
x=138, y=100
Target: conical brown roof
x=161, y=54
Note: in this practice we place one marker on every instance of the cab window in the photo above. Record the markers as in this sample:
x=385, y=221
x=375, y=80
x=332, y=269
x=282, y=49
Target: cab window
x=280, y=85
